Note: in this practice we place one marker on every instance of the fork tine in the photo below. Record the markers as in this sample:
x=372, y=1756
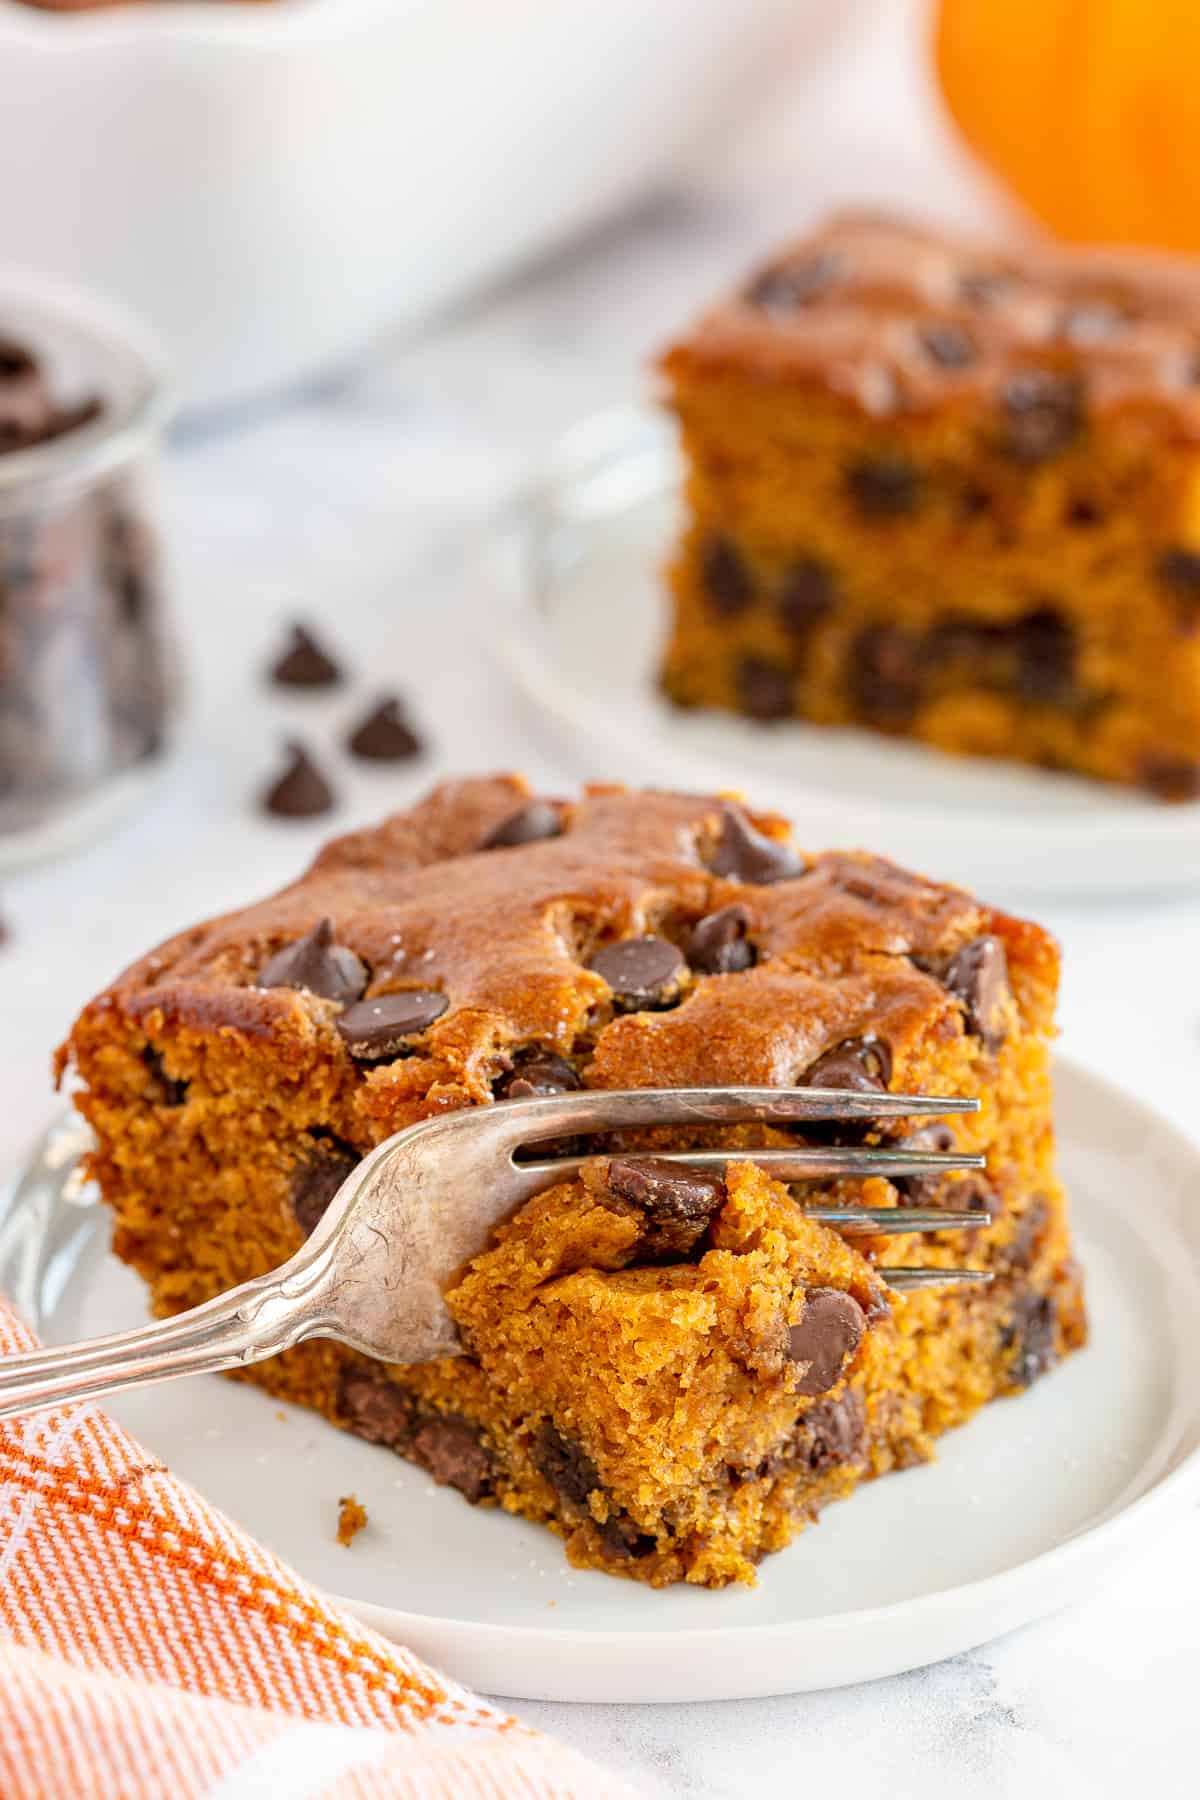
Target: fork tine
x=786, y=1165
x=904, y=1280
x=894, y=1221
x=597, y=1109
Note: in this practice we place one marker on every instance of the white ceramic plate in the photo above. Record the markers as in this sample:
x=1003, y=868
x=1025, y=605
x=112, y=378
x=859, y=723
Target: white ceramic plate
x=574, y=582
x=1028, y=1507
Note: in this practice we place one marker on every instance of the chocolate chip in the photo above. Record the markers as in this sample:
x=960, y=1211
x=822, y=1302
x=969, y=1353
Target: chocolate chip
x=374, y=1408
x=314, y=962
x=765, y=689
x=304, y=663
x=1179, y=572
x=858, y=1065
x=806, y=595
x=727, y=580
x=643, y=972
x=314, y=1183
x=832, y=1432
x=621, y=1537
x=301, y=792
x=168, y=1090
x=831, y=1328
x=1043, y=413
x=1022, y=1249
x=978, y=976
x=884, y=674
x=534, y=1076
x=922, y=1190
x=374, y=1029
x=785, y=286
x=718, y=944
x=1030, y=1334
x=678, y=1203
x=568, y=1469
x=1170, y=777
x=884, y=487
x=743, y=853
x=384, y=735
x=948, y=345
x=453, y=1452
x=530, y=824
x=1180, y=569
x=1045, y=650
x=1082, y=513
x=983, y=287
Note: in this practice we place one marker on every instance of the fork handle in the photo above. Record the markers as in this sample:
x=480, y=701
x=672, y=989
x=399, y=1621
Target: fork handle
x=243, y=1326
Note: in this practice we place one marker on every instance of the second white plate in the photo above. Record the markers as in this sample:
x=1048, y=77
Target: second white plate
x=574, y=585
x=1028, y=1507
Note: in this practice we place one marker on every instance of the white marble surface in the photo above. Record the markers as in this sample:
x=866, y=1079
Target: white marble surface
x=362, y=506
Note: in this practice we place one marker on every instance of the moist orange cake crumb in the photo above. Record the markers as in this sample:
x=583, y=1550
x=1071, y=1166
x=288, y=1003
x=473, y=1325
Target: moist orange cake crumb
x=950, y=494
x=352, y=1518
x=672, y=1370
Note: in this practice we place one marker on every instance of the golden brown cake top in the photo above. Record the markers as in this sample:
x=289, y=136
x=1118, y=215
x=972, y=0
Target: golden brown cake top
x=897, y=317
x=653, y=938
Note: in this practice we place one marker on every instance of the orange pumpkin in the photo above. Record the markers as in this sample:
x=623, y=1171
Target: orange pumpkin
x=1087, y=109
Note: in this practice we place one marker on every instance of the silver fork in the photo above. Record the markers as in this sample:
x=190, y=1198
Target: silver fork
x=417, y=1209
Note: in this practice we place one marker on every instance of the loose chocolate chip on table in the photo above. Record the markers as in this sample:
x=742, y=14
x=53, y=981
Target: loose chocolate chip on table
x=727, y=580
x=858, y=1065
x=317, y=963
x=565, y=1465
x=1030, y=1336
x=948, y=345
x=678, y=1203
x=384, y=735
x=1043, y=413
x=1170, y=777
x=789, y=285
x=642, y=972
x=454, y=1454
x=765, y=689
x=922, y=1190
x=375, y=1408
x=1045, y=646
x=831, y=1432
x=535, y=1076
x=532, y=823
x=301, y=792
x=884, y=674
x=314, y=1183
x=884, y=487
x=978, y=976
x=806, y=595
x=830, y=1330
x=304, y=663
x=746, y=854
x=718, y=944
x=374, y=1029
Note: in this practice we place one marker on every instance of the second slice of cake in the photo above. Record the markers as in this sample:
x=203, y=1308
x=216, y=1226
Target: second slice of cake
x=950, y=494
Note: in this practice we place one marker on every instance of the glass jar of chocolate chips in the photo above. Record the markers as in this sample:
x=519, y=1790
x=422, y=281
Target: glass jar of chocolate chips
x=86, y=691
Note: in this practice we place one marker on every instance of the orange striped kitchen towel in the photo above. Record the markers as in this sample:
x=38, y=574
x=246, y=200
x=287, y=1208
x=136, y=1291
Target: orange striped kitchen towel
x=150, y=1648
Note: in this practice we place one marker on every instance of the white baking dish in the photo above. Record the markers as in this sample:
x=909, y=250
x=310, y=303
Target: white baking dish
x=268, y=186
